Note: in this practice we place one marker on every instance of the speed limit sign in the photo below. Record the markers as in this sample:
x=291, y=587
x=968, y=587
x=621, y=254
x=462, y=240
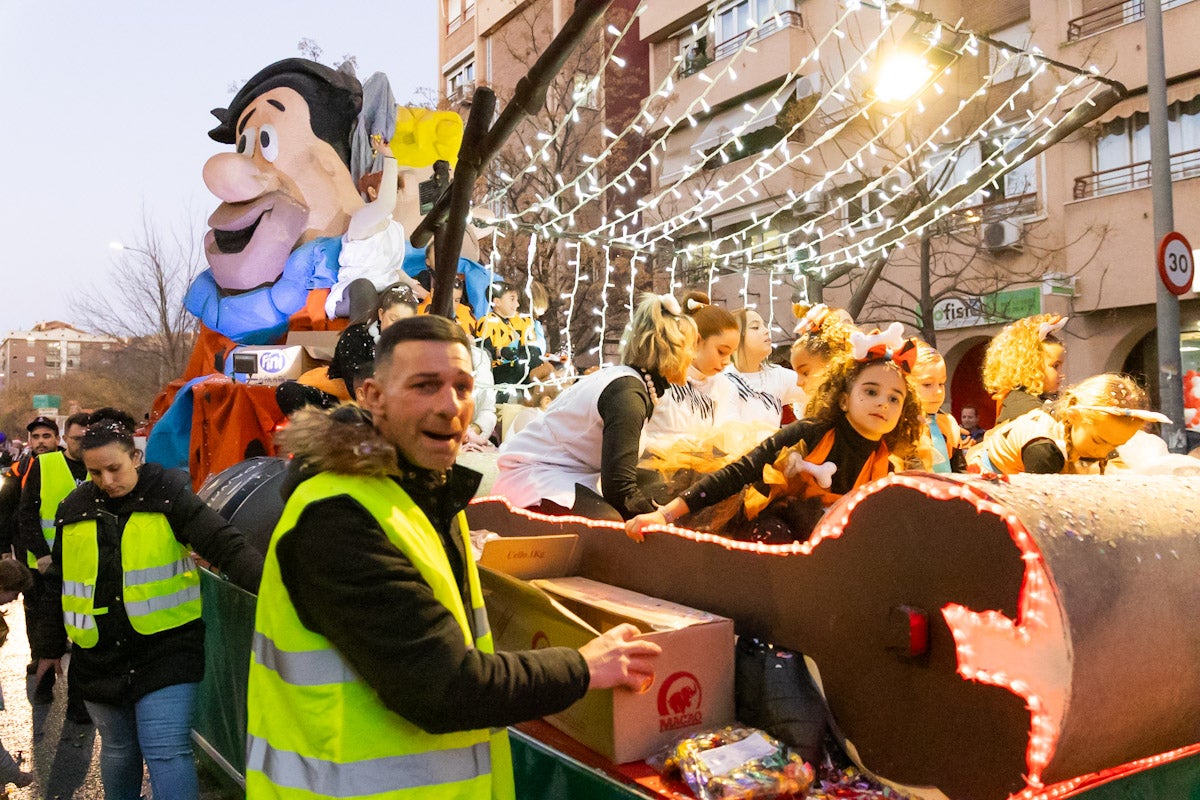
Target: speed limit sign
x=1176, y=266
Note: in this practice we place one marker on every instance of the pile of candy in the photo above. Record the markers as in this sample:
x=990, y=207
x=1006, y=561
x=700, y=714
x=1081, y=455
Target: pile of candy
x=849, y=784
x=737, y=763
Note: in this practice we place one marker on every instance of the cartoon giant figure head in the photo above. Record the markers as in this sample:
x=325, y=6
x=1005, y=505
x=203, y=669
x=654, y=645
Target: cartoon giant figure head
x=289, y=180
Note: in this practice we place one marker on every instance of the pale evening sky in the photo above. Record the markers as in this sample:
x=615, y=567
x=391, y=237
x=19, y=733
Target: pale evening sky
x=106, y=110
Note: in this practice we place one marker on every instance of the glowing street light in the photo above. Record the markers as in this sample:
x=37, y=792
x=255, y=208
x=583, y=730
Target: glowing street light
x=902, y=75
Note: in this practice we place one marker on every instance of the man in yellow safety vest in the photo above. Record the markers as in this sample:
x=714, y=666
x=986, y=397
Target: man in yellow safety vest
x=50, y=478
x=373, y=672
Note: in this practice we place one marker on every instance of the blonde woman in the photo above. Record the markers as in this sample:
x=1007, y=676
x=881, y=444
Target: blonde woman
x=590, y=435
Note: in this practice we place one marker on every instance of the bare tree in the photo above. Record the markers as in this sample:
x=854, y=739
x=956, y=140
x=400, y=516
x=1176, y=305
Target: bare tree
x=140, y=300
x=584, y=98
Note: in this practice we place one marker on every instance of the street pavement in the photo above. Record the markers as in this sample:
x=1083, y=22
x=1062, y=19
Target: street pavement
x=62, y=754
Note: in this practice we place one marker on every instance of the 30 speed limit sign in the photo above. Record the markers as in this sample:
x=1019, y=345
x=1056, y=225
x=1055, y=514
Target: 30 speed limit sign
x=1176, y=265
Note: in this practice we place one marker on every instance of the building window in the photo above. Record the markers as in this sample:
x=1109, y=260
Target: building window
x=1006, y=67
x=30, y=359
x=1123, y=148
x=860, y=210
x=461, y=80
x=586, y=90
x=748, y=18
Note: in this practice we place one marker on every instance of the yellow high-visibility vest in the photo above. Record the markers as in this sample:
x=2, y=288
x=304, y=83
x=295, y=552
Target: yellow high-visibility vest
x=161, y=582
x=315, y=728
x=57, y=483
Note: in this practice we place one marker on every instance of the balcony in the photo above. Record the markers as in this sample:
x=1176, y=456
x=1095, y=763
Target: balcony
x=1111, y=16
x=1022, y=205
x=782, y=19
x=1134, y=176
x=780, y=45
x=457, y=22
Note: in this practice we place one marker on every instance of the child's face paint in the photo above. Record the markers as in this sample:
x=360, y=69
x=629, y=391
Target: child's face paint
x=874, y=402
x=1053, y=359
x=930, y=380
x=1096, y=435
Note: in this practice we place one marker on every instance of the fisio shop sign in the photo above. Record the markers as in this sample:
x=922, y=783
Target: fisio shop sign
x=969, y=311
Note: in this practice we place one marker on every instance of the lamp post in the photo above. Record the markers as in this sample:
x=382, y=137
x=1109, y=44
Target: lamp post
x=1170, y=381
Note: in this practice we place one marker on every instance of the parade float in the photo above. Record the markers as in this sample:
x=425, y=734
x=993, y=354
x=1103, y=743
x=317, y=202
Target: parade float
x=968, y=638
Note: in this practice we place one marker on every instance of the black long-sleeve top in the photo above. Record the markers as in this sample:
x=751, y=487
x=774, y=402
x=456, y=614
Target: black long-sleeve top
x=10, y=501
x=125, y=665
x=29, y=515
x=850, y=452
x=624, y=406
x=348, y=583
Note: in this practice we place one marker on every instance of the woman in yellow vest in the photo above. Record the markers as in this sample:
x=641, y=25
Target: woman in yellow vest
x=131, y=607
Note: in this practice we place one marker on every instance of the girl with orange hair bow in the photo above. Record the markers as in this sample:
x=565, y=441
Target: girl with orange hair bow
x=864, y=410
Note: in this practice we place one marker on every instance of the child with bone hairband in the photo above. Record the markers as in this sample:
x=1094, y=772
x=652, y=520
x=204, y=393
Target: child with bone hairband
x=1023, y=366
x=863, y=411
x=1087, y=424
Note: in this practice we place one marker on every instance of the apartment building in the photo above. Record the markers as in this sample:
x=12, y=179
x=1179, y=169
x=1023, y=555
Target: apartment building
x=50, y=350
x=1069, y=231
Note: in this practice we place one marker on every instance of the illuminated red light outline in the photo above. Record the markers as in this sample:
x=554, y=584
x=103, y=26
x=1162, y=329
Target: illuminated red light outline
x=1035, y=605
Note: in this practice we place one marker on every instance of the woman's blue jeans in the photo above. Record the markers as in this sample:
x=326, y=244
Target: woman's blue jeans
x=156, y=728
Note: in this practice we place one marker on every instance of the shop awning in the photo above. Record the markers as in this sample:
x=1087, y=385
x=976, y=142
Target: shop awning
x=1140, y=102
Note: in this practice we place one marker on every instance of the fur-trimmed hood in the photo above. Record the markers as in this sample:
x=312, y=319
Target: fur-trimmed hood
x=342, y=440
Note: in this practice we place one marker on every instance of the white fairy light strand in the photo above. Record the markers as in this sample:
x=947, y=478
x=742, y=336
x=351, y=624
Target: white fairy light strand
x=999, y=161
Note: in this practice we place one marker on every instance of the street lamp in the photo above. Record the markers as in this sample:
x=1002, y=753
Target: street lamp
x=122, y=246
x=902, y=76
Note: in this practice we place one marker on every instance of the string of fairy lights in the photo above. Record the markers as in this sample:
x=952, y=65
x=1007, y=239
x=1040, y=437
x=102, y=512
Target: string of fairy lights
x=813, y=229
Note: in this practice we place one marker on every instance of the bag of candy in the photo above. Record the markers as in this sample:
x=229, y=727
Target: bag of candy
x=737, y=763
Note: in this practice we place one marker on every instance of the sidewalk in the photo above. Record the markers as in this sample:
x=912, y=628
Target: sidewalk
x=62, y=754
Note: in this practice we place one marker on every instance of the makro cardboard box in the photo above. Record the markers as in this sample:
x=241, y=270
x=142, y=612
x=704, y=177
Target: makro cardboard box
x=319, y=345
x=269, y=364
x=693, y=684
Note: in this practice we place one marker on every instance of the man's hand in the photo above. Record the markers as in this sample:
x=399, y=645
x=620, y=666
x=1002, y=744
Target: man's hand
x=45, y=665
x=43, y=564
x=617, y=658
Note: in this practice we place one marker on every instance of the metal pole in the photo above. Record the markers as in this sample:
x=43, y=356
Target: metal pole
x=1170, y=382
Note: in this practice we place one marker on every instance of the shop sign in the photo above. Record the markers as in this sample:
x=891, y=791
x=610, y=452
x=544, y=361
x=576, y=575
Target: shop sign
x=968, y=311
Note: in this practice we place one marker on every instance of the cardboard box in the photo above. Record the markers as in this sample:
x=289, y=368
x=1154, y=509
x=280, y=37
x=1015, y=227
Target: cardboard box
x=269, y=364
x=693, y=685
x=319, y=345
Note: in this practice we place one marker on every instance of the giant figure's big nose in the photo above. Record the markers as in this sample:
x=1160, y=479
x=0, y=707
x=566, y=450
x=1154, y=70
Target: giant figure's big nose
x=235, y=178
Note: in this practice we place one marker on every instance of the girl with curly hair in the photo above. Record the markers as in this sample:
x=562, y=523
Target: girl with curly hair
x=1023, y=366
x=864, y=410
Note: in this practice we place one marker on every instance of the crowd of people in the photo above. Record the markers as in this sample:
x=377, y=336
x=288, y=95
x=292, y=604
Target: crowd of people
x=377, y=651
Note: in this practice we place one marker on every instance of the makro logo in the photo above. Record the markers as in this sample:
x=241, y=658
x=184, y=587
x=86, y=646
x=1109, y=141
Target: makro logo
x=679, y=702
x=271, y=361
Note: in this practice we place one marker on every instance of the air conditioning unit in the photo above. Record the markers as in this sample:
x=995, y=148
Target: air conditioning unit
x=462, y=95
x=1002, y=235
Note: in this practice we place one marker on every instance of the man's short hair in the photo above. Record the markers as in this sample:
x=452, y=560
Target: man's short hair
x=422, y=328
x=81, y=419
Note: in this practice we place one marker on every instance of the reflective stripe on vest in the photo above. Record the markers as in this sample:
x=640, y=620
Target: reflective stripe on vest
x=364, y=778
x=57, y=483
x=315, y=728
x=161, y=585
